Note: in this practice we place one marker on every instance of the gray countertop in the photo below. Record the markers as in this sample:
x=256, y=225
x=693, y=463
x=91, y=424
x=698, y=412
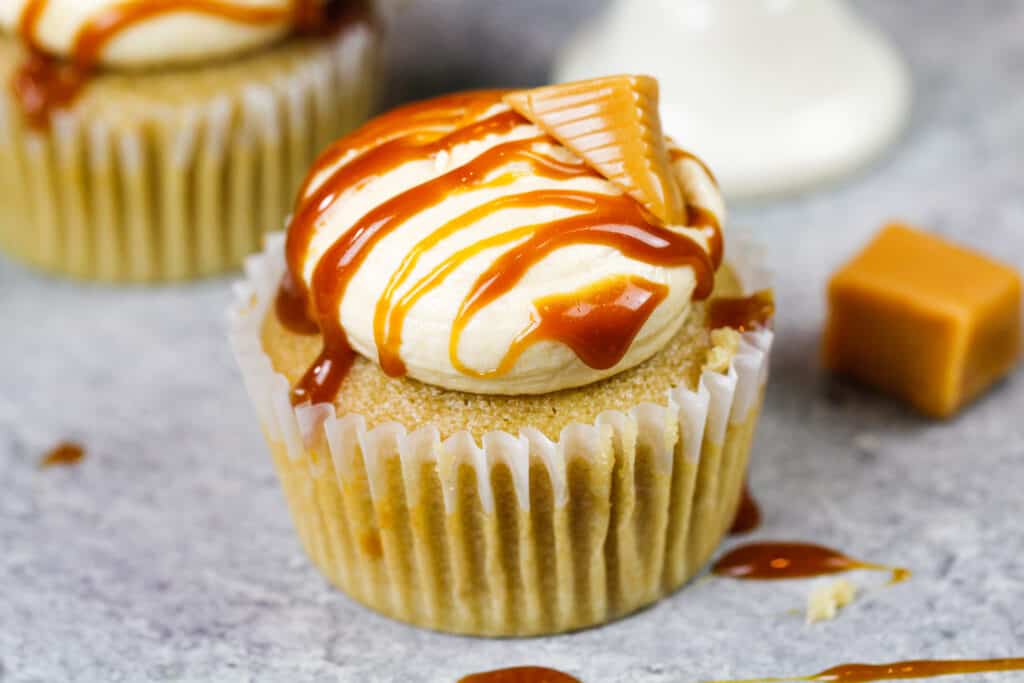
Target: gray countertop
x=168, y=555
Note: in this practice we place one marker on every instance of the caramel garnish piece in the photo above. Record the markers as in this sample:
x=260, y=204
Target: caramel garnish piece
x=925, y=320
x=612, y=124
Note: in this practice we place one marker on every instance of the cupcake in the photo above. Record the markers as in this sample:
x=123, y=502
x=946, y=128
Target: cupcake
x=151, y=140
x=508, y=376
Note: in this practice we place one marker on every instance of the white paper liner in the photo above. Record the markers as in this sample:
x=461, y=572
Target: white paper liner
x=689, y=423
x=176, y=190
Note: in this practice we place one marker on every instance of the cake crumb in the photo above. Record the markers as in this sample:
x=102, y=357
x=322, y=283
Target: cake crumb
x=725, y=343
x=825, y=600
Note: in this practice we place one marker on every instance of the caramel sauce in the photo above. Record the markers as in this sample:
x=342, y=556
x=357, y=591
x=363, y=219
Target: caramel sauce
x=748, y=515
x=290, y=307
x=678, y=154
x=617, y=222
x=64, y=453
x=743, y=313
x=788, y=560
x=520, y=674
x=916, y=669
x=379, y=159
x=419, y=132
x=43, y=83
x=598, y=322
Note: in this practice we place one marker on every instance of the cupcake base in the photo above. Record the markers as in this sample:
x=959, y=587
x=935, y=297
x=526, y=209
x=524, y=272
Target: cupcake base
x=169, y=175
x=501, y=534
x=629, y=532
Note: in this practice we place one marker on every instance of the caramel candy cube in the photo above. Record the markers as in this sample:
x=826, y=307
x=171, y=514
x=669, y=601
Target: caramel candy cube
x=922, y=319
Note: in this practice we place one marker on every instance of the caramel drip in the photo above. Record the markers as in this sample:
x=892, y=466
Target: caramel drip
x=520, y=674
x=748, y=515
x=787, y=560
x=618, y=222
x=894, y=671
x=742, y=313
x=44, y=83
x=707, y=223
x=64, y=453
x=419, y=132
x=29, y=20
x=598, y=322
x=290, y=307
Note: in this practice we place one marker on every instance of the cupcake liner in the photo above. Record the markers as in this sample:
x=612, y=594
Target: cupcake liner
x=135, y=186
x=515, y=534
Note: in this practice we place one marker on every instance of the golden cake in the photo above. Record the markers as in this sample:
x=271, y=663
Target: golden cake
x=507, y=373
x=149, y=140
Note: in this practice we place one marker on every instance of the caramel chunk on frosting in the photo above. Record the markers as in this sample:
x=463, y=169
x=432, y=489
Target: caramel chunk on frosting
x=925, y=320
x=613, y=125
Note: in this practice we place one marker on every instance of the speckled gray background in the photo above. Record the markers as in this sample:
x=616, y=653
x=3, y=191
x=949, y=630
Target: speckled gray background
x=167, y=555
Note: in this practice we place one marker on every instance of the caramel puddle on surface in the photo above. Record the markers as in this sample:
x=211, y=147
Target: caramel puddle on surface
x=788, y=560
x=64, y=453
x=520, y=674
x=919, y=668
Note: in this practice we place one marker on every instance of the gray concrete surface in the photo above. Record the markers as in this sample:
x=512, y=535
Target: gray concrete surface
x=167, y=555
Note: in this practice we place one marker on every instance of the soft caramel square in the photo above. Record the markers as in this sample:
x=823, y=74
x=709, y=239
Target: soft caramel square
x=924, y=320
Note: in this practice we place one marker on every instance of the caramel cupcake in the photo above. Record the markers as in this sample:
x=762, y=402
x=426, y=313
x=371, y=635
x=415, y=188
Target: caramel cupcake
x=507, y=375
x=150, y=140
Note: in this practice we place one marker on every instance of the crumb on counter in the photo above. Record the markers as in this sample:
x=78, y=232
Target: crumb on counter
x=825, y=600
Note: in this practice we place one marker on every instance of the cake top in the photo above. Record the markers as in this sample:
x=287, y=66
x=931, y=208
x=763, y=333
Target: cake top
x=500, y=249
x=144, y=33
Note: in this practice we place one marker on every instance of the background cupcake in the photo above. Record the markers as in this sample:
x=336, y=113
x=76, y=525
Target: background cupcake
x=497, y=396
x=156, y=140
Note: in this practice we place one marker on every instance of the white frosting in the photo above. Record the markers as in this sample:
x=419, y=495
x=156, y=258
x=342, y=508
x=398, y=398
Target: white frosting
x=546, y=366
x=168, y=38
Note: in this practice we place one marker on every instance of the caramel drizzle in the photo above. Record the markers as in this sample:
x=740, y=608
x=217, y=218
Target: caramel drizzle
x=915, y=668
x=678, y=154
x=698, y=216
x=382, y=157
x=44, y=83
x=520, y=674
x=619, y=222
x=788, y=560
x=843, y=673
x=417, y=133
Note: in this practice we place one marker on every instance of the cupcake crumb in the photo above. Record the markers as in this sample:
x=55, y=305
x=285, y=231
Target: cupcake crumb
x=826, y=599
x=725, y=343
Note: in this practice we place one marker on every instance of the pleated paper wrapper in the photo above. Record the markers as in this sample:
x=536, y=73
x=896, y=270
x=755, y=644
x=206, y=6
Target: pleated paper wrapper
x=174, y=175
x=516, y=534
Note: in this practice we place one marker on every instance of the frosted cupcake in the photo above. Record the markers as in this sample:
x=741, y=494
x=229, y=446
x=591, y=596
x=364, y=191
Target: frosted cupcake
x=508, y=380
x=147, y=140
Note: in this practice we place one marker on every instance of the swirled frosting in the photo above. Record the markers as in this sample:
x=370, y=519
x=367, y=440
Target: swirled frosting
x=142, y=33
x=456, y=242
